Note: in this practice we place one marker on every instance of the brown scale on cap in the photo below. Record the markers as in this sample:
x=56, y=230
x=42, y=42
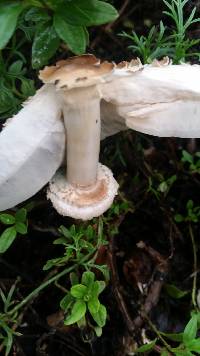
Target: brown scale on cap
x=76, y=71
x=165, y=61
x=134, y=65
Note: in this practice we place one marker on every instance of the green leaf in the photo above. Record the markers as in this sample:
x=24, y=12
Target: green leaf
x=164, y=353
x=21, y=228
x=45, y=44
x=163, y=187
x=98, y=331
x=78, y=291
x=93, y=305
x=74, y=36
x=54, y=4
x=37, y=15
x=78, y=311
x=175, y=292
x=146, y=347
x=16, y=67
x=97, y=288
x=190, y=330
x=66, y=302
x=74, y=278
x=63, y=230
x=190, y=204
x=21, y=215
x=27, y=87
x=9, y=343
x=34, y=3
x=178, y=218
x=8, y=20
x=100, y=316
x=7, y=219
x=101, y=286
x=90, y=232
x=194, y=345
x=59, y=261
x=173, y=336
x=186, y=157
x=82, y=323
x=87, y=278
x=7, y=238
x=60, y=241
x=87, y=12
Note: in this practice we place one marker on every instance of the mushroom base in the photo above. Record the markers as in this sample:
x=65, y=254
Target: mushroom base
x=83, y=203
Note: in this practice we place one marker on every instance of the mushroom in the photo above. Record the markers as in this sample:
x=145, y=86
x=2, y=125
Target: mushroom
x=88, y=188
x=97, y=99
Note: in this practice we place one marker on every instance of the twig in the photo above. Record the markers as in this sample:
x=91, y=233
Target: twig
x=194, y=287
x=116, y=287
x=156, y=286
x=157, y=332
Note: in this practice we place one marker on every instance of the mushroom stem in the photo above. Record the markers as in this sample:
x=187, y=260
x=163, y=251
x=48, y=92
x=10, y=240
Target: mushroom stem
x=82, y=122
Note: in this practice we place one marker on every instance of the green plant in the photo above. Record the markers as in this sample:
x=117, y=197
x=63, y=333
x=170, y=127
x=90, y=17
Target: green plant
x=19, y=225
x=82, y=256
x=161, y=42
x=7, y=332
x=188, y=340
x=192, y=216
x=83, y=298
x=192, y=160
x=193, y=213
x=162, y=186
x=79, y=241
x=14, y=85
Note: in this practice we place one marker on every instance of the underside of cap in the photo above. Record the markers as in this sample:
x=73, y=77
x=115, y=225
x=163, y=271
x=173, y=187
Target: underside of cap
x=176, y=119
x=83, y=203
x=32, y=147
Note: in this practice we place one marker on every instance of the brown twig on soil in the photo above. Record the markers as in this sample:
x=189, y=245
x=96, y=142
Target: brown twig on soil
x=154, y=290
x=116, y=288
x=156, y=286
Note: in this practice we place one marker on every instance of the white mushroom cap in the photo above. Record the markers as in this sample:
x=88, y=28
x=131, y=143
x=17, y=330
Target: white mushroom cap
x=158, y=99
x=31, y=148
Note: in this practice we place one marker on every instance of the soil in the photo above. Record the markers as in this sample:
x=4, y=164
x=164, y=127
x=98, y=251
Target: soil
x=149, y=251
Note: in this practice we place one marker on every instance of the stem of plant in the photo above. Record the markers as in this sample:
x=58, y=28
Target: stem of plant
x=168, y=347
x=194, y=287
x=46, y=284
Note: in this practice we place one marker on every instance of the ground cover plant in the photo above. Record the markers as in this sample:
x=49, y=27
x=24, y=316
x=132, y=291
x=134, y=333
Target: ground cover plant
x=127, y=282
